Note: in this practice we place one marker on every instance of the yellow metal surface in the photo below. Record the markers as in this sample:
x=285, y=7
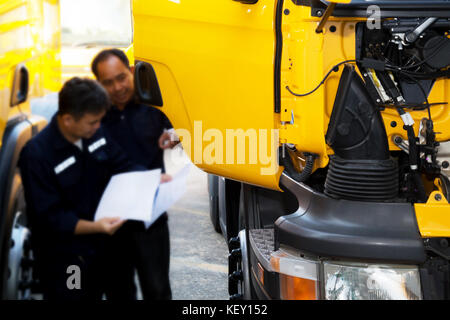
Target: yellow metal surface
x=433, y=217
x=130, y=54
x=29, y=35
x=214, y=64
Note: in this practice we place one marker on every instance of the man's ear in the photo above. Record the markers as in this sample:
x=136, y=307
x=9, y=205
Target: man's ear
x=132, y=69
x=67, y=119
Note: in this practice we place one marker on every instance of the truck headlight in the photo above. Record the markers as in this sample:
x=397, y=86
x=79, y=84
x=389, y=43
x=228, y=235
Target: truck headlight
x=353, y=281
x=298, y=276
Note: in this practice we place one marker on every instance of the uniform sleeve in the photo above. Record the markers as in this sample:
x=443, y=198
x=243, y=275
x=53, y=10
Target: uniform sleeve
x=42, y=196
x=166, y=122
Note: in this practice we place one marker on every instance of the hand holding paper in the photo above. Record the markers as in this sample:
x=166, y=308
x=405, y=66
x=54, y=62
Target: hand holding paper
x=140, y=196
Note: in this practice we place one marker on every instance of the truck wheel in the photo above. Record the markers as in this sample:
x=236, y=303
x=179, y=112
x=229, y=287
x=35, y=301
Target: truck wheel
x=246, y=288
x=17, y=255
x=213, y=195
x=239, y=278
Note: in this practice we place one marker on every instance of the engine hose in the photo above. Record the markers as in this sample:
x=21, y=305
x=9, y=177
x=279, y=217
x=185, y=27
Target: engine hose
x=290, y=169
x=414, y=164
x=422, y=196
x=413, y=150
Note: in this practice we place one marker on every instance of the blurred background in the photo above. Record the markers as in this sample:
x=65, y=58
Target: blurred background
x=88, y=26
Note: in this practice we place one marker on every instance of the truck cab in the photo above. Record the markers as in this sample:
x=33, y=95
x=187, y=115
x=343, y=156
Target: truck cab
x=325, y=125
x=29, y=68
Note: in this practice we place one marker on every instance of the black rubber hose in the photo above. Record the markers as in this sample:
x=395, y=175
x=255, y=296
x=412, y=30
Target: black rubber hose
x=422, y=196
x=290, y=169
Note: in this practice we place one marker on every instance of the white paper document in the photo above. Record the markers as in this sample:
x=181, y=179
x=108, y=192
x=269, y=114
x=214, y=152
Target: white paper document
x=140, y=196
x=169, y=193
x=129, y=196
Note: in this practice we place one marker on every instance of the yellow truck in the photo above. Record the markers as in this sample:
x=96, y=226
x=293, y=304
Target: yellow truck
x=29, y=68
x=325, y=128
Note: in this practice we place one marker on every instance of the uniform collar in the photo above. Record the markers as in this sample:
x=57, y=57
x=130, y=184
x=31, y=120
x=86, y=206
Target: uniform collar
x=132, y=104
x=59, y=141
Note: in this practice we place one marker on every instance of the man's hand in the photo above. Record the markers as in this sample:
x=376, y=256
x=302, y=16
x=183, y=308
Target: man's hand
x=166, y=141
x=105, y=225
x=165, y=178
x=109, y=225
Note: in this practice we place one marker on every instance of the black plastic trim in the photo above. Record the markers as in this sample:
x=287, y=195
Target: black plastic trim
x=19, y=91
x=247, y=1
x=395, y=9
x=146, y=84
x=344, y=229
x=271, y=287
x=278, y=54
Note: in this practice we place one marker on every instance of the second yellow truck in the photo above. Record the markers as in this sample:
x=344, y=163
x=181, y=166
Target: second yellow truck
x=30, y=67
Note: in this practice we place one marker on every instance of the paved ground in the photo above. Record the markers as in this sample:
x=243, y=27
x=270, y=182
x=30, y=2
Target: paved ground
x=199, y=263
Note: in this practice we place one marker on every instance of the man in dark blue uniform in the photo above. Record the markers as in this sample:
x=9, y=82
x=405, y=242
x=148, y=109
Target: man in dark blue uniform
x=140, y=131
x=65, y=170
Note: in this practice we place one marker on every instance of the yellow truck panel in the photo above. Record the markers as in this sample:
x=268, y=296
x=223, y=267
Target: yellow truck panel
x=220, y=43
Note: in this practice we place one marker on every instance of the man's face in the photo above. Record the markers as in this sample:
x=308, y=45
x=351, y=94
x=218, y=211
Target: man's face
x=84, y=127
x=117, y=79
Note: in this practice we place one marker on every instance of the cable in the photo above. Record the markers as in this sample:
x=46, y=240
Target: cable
x=321, y=82
x=434, y=53
x=422, y=75
x=424, y=94
x=413, y=106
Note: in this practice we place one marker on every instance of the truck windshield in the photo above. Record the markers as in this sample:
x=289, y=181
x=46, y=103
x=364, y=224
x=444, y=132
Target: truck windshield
x=96, y=23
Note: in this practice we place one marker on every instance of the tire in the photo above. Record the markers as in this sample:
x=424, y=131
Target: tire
x=246, y=287
x=17, y=256
x=214, y=202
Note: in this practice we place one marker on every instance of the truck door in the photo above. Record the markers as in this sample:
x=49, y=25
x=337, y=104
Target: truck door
x=215, y=62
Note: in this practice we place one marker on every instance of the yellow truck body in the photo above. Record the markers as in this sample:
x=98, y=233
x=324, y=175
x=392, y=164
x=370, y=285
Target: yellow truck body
x=27, y=38
x=356, y=94
x=30, y=67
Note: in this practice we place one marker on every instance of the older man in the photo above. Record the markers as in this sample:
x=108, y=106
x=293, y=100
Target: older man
x=140, y=131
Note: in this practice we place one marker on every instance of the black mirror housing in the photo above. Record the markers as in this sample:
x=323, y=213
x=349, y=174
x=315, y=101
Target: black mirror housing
x=20, y=85
x=146, y=84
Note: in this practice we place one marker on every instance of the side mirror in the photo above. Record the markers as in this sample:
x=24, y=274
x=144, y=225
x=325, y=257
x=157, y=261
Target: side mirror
x=146, y=84
x=19, y=92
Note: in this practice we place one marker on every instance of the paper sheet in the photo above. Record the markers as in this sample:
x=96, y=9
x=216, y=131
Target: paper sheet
x=169, y=193
x=130, y=196
x=140, y=196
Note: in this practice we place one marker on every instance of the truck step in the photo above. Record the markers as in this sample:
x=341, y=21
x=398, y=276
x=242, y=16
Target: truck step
x=262, y=242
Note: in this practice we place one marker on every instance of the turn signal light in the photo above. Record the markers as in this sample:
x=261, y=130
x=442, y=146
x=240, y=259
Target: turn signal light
x=298, y=276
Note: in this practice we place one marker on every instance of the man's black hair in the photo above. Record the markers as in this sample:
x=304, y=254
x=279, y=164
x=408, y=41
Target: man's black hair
x=105, y=54
x=81, y=96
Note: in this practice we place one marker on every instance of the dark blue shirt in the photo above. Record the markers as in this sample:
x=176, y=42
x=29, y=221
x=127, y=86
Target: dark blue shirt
x=64, y=184
x=137, y=130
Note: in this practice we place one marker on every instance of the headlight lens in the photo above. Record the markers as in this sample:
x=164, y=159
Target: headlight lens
x=371, y=282
x=298, y=276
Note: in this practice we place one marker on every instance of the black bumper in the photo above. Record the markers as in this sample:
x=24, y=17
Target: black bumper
x=342, y=229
